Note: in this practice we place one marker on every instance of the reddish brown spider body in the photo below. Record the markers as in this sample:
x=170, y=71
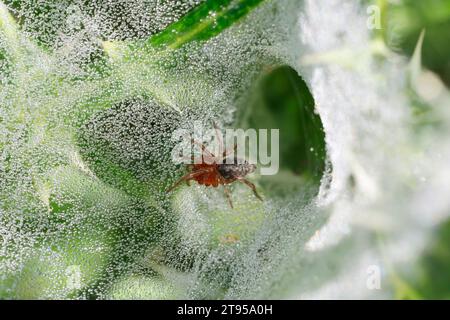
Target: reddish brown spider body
x=222, y=172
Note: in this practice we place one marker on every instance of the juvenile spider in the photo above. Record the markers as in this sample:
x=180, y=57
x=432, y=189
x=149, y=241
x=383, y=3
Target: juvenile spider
x=222, y=172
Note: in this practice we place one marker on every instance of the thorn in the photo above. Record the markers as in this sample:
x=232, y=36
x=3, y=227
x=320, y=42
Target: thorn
x=415, y=65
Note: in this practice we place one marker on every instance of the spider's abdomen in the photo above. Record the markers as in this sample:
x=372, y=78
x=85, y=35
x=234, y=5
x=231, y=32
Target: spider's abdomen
x=234, y=171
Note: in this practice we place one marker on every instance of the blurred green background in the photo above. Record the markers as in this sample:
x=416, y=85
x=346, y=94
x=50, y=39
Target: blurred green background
x=405, y=21
x=407, y=18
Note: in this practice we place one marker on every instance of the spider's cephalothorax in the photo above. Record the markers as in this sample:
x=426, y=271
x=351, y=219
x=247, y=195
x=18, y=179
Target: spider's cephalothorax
x=223, y=172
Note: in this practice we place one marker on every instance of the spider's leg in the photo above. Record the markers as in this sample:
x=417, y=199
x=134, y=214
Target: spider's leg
x=226, y=191
x=204, y=151
x=190, y=168
x=219, y=137
x=251, y=186
x=227, y=152
x=187, y=177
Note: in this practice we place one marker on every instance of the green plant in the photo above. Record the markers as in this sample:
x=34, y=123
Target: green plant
x=86, y=123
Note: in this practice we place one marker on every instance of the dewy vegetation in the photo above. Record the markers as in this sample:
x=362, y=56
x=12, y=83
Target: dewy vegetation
x=86, y=160
x=86, y=117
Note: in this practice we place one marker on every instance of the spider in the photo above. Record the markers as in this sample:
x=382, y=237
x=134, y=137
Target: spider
x=214, y=173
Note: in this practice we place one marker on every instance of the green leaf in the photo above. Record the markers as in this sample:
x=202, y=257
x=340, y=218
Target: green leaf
x=17, y=47
x=8, y=28
x=204, y=22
